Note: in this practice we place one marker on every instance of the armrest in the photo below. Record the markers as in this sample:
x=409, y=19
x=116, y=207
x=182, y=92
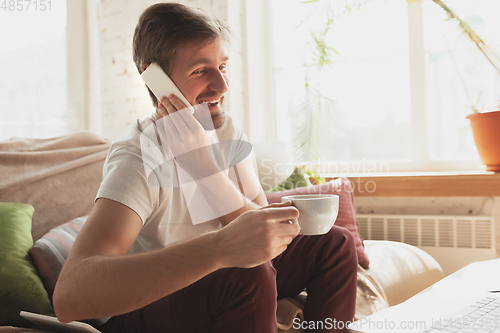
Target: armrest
x=402, y=270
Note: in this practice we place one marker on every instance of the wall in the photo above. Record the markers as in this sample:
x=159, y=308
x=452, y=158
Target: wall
x=117, y=93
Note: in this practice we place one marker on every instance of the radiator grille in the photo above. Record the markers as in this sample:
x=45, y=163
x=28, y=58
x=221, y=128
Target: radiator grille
x=411, y=231
x=445, y=233
x=482, y=239
x=428, y=232
x=464, y=234
x=454, y=241
x=439, y=231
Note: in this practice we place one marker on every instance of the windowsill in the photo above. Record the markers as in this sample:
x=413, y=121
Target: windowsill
x=455, y=183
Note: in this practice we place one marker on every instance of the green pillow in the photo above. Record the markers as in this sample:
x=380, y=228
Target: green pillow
x=297, y=179
x=20, y=287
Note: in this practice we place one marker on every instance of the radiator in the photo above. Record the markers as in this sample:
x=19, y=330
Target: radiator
x=454, y=241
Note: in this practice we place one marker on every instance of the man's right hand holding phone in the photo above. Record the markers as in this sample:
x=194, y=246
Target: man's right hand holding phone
x=185, y=137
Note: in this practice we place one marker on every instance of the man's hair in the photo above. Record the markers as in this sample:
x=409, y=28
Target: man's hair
x=163, y=27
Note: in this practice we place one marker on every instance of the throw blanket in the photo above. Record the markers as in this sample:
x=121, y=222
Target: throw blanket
x=59, y=177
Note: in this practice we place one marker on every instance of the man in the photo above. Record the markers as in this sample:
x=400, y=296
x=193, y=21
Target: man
x=143, y=260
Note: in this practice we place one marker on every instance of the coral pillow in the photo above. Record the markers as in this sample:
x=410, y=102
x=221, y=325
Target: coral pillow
x=347, y=214
x=51, y=251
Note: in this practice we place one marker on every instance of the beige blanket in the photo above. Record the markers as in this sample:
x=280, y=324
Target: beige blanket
x=59, y=177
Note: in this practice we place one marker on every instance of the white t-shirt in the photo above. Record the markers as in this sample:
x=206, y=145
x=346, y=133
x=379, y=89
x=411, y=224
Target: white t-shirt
x=162, y=209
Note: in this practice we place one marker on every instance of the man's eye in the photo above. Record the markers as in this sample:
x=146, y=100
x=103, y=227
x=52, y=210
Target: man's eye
x=198, y=72
x=222, y=67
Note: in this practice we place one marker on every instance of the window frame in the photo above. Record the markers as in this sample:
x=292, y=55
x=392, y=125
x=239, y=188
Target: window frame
x=77, y=61
x=77, y=72
x=260, y=122
x=260, y=82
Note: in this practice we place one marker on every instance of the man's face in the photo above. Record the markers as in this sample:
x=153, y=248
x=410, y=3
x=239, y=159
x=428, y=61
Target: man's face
x=201, y=75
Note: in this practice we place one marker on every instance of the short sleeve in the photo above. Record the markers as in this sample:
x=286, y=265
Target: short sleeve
x=125, y=181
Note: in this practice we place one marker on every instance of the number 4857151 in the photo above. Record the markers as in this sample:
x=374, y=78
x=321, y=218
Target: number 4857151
x=26, y=5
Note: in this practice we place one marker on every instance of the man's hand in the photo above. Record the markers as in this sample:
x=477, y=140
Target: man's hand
x=213, y=194
x=257, y=236
x=183, y=135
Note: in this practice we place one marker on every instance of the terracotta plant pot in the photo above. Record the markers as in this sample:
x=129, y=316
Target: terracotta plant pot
x=486, y=130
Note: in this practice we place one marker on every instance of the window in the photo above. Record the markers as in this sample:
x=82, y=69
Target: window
x=396, y=95
x=36, y=77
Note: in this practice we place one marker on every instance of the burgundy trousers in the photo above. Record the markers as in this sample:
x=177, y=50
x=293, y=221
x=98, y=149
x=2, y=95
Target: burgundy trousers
x=244, y=300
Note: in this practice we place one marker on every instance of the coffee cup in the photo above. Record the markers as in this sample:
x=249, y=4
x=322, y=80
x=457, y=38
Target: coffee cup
x=318, y=212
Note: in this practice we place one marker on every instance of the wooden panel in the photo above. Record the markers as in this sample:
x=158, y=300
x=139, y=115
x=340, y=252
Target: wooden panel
x=474, y=184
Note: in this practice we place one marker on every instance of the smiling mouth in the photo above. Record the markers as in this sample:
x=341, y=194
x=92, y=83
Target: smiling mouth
x=211, y=102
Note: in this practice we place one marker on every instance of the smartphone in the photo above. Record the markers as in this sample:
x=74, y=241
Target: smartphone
x=161, y=85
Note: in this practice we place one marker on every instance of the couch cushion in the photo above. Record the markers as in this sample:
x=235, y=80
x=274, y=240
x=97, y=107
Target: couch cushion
x=402, y=270
x=50, y=252
x=20, y=286
x=347, y=213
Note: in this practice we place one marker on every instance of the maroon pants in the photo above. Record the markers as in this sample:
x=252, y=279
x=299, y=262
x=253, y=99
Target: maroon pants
x=244, y=300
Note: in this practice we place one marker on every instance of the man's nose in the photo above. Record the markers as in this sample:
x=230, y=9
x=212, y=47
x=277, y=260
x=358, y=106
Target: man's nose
x=219, y=82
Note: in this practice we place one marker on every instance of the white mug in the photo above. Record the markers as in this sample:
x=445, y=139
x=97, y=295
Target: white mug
x=318, y=212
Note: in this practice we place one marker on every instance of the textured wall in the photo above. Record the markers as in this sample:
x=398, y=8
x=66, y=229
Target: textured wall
x=123, y=97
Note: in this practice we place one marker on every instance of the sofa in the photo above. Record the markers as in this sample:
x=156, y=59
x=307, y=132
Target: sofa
x=59, y=177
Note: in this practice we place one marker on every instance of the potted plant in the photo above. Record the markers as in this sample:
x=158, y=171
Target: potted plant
x=485, y=125
x=486, y=130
